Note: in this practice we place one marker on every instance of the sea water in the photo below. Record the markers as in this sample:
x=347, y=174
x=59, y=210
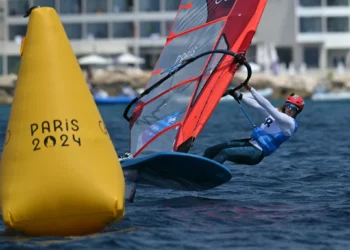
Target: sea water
x=297, y=198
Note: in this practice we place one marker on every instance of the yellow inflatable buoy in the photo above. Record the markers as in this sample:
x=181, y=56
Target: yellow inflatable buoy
x=60, y=174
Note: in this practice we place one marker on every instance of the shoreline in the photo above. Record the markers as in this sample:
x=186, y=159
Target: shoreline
x=112, y=82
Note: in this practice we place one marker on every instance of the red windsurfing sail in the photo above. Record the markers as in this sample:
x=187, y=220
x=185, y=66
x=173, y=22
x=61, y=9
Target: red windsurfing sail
x=160, y=122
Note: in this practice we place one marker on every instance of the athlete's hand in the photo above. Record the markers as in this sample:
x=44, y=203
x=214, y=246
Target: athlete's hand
x=231, y=92
x=247, y=87
x=227, y=92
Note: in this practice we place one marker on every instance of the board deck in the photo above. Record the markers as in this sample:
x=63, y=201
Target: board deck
x=174, y=170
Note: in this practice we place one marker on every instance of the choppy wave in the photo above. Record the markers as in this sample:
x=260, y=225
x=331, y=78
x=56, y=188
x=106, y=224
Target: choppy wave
x=298, y=198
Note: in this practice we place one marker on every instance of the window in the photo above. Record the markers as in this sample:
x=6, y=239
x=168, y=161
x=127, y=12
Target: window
x=73, y=30
x=310, y=24
x=168, y=26
x=1, y=66
x=97, y=30
x=311, y=57
x=337, y=2
x=70, y=6
x=310, y=3
x=17, y=7
x=149, y=5
x=17, y=31
x=337, y=60
x=123, y=5
x=337, y=24
x=13, y=63
x=285, y=55
x=150, y=55
x=96, y=6
x=172, y=5
x=45, y=3
x=148, y=29
x=123, y=30
x=251, y=53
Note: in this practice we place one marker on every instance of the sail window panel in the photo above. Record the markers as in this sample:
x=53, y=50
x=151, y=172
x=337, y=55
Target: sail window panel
x=156, y=116
x=193, y=13
x=213, y=63
x=181, y=47
x=190, y=18
x=164, y=143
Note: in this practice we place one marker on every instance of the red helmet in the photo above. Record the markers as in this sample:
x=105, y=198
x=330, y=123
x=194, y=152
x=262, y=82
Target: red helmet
x=296, y=100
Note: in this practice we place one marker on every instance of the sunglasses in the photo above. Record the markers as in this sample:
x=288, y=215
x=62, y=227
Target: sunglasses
x=291, y=106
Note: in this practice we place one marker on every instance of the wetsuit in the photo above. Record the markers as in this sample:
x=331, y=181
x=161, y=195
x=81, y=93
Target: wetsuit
x=276, y=129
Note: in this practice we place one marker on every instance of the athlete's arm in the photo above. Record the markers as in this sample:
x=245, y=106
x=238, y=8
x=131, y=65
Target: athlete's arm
x=286, y=122
x=251, y=102
x=247, y=100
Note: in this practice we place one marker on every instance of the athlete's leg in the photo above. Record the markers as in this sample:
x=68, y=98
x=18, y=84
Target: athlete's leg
x=247, y=154
x=213, y=151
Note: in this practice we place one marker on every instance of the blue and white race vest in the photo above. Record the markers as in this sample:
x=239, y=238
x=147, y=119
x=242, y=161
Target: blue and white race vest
x=269, y=136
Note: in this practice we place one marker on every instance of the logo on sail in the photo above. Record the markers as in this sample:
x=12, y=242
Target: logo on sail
x=156, y=128
x=219, y=1
x=185, y=55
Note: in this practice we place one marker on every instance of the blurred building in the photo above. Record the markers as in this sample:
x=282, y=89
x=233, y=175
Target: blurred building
x=101, y=26
x=312, y=31
x=323, y=34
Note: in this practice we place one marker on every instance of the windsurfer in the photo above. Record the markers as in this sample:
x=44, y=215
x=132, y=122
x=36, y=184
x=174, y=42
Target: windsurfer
x=277, y=128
